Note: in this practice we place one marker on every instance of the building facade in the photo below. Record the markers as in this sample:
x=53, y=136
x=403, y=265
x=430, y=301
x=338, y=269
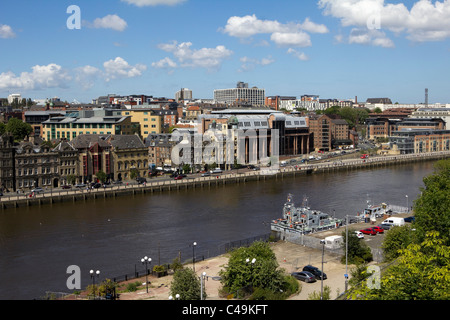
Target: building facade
x=7, y=163
x=242, y=94
x=129, y=157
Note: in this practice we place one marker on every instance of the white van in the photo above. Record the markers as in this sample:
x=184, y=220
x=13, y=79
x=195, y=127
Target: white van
x=395, y=221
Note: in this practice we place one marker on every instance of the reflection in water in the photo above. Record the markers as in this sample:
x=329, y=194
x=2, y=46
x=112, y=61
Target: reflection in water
x=37, y=244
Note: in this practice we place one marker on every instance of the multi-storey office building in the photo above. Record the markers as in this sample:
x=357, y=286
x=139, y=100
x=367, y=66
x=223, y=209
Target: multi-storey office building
x=408, y=141
x=242, y=94
x=103, y=122
x=145, y=120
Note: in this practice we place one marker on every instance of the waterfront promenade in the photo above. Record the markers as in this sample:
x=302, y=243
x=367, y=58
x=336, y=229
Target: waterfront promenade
x=227, y=177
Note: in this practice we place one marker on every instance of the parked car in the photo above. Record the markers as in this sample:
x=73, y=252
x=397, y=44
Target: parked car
x=359, y=234
x=378, y=229
x=256, y=169
x=80, y=185
x=141, y=180
x=117, y=182
x=217, y=170
x=206, y=174
x=96, y=185
x=66, y=186
x=178, y=178
x=369, y=231
x=37, y=190
x=304, y=276
x=410, y=219
x=386, y=226
x=315, y=271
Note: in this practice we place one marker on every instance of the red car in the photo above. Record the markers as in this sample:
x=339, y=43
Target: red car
x=369, y=231
x=378, y=229
x=178, y=177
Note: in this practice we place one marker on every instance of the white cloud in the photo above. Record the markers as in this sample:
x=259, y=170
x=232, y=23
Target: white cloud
x=113, y=22
x=6, y=32
x=249, y=64
x=299, y=55
x=146, y=3
x=208, y=58
x=41, y=77
x=87, y=76
x=293, y=39
x=283, y=34
x=425, y=21
x=119, y=68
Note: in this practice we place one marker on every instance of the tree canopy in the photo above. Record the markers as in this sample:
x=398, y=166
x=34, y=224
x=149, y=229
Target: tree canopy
x=18, y=128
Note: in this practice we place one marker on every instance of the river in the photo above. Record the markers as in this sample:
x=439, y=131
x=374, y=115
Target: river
x=37, y=244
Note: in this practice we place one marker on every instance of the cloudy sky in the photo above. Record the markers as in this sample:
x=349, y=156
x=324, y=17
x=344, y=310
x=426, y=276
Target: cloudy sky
x=81, y=49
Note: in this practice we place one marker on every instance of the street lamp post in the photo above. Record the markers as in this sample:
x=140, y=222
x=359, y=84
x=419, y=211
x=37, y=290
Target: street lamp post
x=321, y=285
x=407, y=204
x=193, y=255
x=146, y=260
x=93, y=275
x=346, y=252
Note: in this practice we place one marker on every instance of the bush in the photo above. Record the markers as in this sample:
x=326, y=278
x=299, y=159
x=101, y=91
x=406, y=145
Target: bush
x=133, y=286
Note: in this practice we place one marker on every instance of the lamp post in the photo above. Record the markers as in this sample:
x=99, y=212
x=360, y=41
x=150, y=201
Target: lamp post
x=193, y=255
x=177, y=297
x=407, y=204
x=321, y=285
x=93, y=275
x=346, y=253
x=146, y=260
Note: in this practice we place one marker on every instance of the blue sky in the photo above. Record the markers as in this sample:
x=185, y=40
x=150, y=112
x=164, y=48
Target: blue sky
x=332, y=48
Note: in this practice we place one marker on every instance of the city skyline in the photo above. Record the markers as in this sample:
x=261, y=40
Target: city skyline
x=335, y=49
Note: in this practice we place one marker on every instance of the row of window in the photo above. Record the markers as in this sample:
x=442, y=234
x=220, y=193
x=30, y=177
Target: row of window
x=34, y=171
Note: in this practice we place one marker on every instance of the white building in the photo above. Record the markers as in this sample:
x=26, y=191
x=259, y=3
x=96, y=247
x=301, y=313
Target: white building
x=242, y=94
x=14, y=97
x=184, y=94
x=432, y=113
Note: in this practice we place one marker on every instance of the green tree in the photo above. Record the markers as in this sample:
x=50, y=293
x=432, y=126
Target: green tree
x=2, y=128
x=102, y=176
x=358, y=251
x=422, y=272
x=396, y=239
x=432, y=207
x=254, y=269
x=134, y=173
x=18, y=128
x=187, y=284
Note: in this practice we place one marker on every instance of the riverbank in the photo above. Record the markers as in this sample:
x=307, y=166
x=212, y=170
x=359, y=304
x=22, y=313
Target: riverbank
x=290, y=257
x=228, y=177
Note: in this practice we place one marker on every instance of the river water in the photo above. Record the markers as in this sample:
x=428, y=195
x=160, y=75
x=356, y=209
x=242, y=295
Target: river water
x=37, y=244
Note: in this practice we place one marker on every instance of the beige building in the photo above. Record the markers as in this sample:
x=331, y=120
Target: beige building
x=129, y=154
x=146, y=119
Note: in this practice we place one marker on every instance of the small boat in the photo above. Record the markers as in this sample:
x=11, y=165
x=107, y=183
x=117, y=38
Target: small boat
x=302, y=219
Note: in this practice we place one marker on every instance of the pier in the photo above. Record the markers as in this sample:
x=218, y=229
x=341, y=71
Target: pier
x=215, y=180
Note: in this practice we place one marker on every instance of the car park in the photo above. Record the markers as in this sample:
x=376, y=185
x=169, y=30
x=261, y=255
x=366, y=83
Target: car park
x=304, y=276
x=315, y=271
x=359, y=234
x=369, y=231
